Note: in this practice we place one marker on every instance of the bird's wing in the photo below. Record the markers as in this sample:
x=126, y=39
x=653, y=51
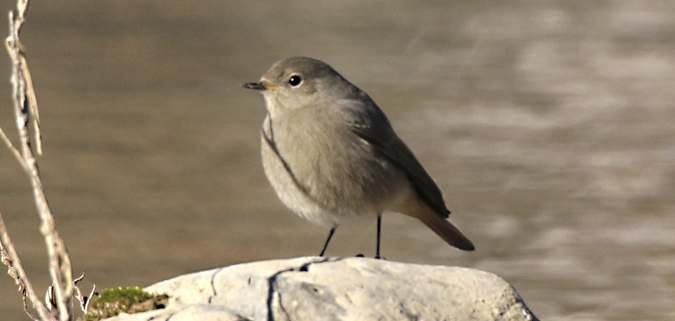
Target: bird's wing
x=376, y=130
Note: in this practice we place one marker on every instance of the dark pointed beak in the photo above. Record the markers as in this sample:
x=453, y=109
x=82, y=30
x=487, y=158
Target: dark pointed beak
x=254, y=86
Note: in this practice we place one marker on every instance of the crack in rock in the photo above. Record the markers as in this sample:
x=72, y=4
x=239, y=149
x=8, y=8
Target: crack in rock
x=271, y=283
x=213, y=285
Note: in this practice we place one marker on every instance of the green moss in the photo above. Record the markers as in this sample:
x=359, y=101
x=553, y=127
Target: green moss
x=112, y=302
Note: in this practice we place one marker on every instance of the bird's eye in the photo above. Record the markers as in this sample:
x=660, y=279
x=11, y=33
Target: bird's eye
x=295, y=80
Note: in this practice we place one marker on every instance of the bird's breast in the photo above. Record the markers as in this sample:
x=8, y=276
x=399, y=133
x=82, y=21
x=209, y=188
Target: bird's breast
x=316, y=162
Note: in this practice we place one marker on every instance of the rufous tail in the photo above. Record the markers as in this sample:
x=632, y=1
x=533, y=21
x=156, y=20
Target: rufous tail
x=414, y=207
x=448, y=232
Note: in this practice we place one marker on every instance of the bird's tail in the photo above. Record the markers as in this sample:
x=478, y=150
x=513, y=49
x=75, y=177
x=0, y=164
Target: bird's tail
x=448, y=232
x=414, y=207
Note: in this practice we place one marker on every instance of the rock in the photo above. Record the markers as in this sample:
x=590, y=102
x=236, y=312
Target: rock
x=315, y=288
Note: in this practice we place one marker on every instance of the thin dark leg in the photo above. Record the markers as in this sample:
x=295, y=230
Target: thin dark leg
x=330, y=235
x=379, y=229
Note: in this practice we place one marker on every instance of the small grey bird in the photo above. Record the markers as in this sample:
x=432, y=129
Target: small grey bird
x=330, y=153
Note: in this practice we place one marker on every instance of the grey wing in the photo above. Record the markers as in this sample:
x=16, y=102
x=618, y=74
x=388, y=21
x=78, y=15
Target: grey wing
x=377, y=131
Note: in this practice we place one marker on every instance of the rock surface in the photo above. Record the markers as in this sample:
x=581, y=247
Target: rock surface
x=315, y=288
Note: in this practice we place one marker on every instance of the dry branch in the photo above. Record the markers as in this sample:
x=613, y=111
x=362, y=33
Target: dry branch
x=27, y=120
x=16, y=271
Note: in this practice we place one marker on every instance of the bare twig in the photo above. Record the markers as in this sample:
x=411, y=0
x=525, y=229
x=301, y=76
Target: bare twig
x=26, y=114
x=21, y=8
x=16, y=271
x=84, y=300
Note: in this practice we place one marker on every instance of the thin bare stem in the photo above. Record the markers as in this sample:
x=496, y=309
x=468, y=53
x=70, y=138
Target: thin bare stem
x=14, y=268
x=84, y=300
x=26, y=115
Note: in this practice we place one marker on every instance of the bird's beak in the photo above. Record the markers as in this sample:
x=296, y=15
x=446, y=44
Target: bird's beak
x=262, y=85
x=254, y=85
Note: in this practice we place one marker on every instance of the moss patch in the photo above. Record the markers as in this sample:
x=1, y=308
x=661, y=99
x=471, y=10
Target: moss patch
x=112, y=302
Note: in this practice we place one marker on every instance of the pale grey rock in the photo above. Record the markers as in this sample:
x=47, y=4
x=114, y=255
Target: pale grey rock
x=315, y=288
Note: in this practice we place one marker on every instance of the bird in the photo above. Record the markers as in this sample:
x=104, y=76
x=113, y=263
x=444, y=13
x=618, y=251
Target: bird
x=331, y=154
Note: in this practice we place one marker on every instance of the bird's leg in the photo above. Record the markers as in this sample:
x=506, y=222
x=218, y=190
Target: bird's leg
x=330, y=235
x=379, y=229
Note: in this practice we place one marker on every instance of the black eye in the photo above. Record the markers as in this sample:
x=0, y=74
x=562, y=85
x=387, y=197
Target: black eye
x=295, y=81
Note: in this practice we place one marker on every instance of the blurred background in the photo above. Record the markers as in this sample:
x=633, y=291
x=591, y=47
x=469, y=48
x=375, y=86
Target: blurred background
x=549, y=126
